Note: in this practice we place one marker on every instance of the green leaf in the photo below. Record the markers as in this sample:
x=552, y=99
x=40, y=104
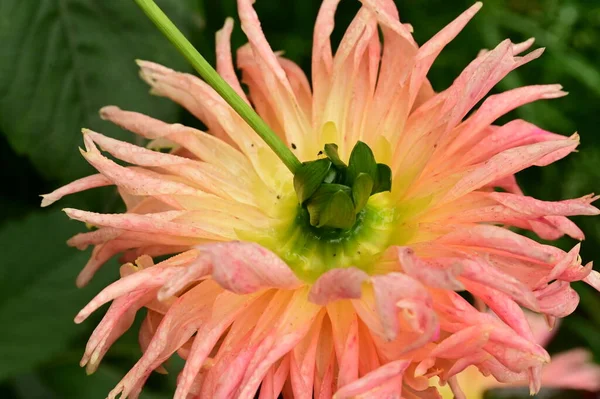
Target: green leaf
x=62, y=61
x=309, y=177
x=331, y=150
x=361, y=160
x=384, y=179
x=331, y=206
x=70, y=381
x=38, y=297
x=361, y=191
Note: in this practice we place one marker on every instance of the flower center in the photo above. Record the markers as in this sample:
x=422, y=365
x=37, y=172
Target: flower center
x=341, y=215
x=310, y=251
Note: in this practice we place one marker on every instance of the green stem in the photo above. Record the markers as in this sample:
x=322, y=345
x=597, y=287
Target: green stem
x=211, y=77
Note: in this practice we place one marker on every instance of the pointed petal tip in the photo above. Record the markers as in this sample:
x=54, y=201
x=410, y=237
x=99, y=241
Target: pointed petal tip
x=105, y=111
x=81, y=281
x=79, y=318
x=46, y=201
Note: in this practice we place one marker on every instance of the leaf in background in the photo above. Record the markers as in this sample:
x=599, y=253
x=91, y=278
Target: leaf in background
x=38, y=297
x=70, y=381
x=61, y=61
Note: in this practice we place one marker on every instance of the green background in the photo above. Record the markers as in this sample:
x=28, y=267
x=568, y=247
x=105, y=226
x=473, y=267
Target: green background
x=61, y=60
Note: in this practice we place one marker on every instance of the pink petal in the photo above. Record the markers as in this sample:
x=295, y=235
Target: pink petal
x=177, y=326
x=463, y=342
x=292, y=326
x=557, y=299
x=469, y=132
x=202, y=145
x=322, y=58
x=146, y=279
x=292, y=119
x=428, y=272
x=344, y=325
x=500, y=239
x=504, y=307
x=243, y=268
x=488, y=276
x=224, y=60
x=335, y=284
x=227, y=307
x=272, y=384
x=593, y=279
x=573, y=369
x=392, y=371
x=116, y=321
x=571, y=260
x=398, y=293
x=535, y=207
x=515, y=133
x=302, y=361
x=508, y=163
x=153, y=223
x=83, y=184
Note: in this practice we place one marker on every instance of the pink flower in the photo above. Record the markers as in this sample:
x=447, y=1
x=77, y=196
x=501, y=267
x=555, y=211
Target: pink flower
x=256, y=299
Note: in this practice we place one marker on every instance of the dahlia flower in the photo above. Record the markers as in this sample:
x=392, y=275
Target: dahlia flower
x=256, y=298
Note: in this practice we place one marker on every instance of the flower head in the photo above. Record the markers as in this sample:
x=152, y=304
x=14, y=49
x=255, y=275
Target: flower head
x=258, y=296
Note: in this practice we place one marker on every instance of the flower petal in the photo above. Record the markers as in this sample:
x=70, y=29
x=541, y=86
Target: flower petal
x=344, y=283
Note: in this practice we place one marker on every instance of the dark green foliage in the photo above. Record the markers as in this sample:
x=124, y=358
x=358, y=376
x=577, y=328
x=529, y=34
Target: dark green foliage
x=61, y=60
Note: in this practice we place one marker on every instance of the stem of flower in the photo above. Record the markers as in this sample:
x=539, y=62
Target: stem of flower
x=208, y=73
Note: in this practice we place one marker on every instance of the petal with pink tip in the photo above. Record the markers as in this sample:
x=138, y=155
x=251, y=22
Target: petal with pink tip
x=573, y=369
x=295, y=123
x=463, y=342
x=322, y=58
x=344, y=326
x=392, y=371
x=181, y=321
x=224, y=60
x=204, y=146
x=147, y=279
x=500, y=239
x=85, y=183
x=397, y=292
x=291, y=327
x=428, y=272
x=243, y=267
x=226, y=308
x=335, y=284
x=507, y=163
x=153, y=223
x=469, y=132
x=535, y=207
x=557, y=299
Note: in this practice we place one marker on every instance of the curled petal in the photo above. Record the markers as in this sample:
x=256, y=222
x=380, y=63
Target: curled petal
x=391, y=372
x=396, y=292
x=85, y=183
x=557, y=299
x=432, y=274
x=247, y=267
x=337, y=284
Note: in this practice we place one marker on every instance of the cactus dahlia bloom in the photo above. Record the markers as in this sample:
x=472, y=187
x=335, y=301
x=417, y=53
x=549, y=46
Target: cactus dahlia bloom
x=256, y=299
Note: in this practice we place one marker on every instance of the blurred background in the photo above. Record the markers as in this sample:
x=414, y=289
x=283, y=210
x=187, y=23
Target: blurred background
x=61, y=60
